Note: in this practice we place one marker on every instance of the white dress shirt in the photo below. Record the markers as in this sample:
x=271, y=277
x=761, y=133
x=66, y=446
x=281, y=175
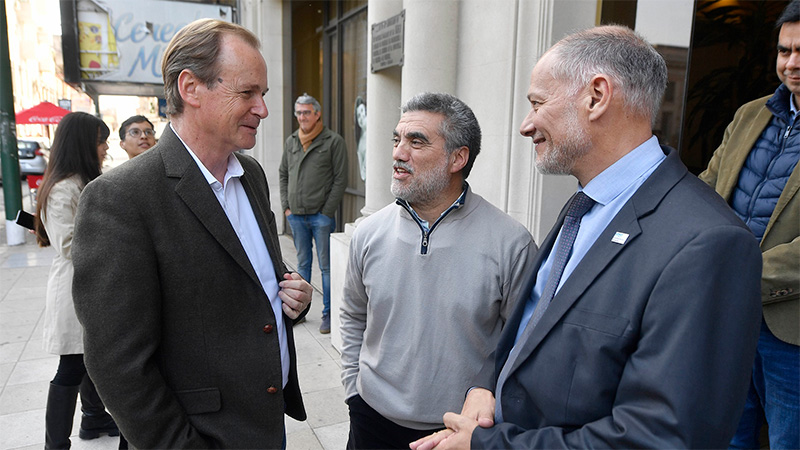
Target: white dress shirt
x=234, y=202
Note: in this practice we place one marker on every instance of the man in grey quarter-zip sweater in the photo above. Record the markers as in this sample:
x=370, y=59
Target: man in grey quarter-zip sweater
x=437, y=270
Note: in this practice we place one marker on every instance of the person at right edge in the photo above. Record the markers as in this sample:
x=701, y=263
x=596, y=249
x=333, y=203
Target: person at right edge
x=755, y=171
x=639, y=326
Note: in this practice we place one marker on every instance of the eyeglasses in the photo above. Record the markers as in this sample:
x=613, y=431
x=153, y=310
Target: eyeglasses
x=135, y=132
x=303, y=113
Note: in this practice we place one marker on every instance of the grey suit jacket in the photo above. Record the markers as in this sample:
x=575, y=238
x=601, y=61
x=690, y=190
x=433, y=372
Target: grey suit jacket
x=649, y=343
x=180, y=337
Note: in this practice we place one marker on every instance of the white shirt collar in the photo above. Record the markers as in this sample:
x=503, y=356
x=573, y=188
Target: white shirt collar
x=234, y=169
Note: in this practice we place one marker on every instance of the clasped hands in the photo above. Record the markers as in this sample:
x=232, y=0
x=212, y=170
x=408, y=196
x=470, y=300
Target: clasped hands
x=478, y=410
x=295, y=293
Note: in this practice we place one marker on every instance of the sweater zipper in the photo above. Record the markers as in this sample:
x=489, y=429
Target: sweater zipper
x=426, y=234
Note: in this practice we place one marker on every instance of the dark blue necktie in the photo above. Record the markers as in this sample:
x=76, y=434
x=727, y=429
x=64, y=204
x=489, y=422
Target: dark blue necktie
x=578, y=206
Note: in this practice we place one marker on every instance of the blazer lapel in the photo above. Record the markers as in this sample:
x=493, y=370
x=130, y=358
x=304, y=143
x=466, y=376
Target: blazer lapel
x=599, y=256
x=511, y=327
x=262, y=212
x=192, y=187
x=789, y=191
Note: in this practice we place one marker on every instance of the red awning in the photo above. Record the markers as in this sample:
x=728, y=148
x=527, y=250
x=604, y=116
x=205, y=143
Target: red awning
x=44, y=113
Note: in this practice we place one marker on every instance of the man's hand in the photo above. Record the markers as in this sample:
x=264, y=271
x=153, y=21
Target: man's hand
x=295, y=294
x=288, y=212
x=478, y=410
x=479, y=405
x=457, y=435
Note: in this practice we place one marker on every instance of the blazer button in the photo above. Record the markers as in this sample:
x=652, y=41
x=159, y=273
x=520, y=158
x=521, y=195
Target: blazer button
x=272, y=390
x=268, y=328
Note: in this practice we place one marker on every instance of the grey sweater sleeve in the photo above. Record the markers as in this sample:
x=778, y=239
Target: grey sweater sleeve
x=353, y=318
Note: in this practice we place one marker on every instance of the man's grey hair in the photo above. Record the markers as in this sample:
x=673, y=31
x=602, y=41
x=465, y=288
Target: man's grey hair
x=459, y=128
x=636, y=69
x=306, y=99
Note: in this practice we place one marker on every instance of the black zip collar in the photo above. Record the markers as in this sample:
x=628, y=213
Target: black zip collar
x=426, y=232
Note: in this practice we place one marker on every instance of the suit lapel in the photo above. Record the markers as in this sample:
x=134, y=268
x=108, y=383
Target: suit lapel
x=262, y=212
x=509, y=334
x=789, y=191
x=192, y=187
x=600, y=255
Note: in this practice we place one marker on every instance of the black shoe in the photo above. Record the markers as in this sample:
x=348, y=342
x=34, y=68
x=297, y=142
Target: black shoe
x=94, y=426
x=95, y=421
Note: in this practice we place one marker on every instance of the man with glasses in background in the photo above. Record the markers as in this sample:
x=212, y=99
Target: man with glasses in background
x=136, y=135
x=313, y=176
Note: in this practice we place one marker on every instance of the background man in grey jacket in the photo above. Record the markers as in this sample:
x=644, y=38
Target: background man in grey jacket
x=194, y=348
x=430, y=282
x=313, y=177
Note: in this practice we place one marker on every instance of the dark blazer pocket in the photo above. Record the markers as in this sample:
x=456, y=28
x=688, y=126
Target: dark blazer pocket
x=613, y=325
x=199, y=401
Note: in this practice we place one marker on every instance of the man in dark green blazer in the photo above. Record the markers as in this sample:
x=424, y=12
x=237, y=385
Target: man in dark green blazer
x=179, y=282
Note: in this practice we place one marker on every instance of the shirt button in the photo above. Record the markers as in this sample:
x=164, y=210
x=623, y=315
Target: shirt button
x=268, y=328
x=272, y=390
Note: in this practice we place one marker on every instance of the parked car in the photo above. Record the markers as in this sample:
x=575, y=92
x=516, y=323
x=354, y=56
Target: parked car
x=31, y=157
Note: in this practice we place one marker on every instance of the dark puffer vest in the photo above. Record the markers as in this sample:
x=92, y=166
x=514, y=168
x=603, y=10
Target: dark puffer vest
x=768, y=165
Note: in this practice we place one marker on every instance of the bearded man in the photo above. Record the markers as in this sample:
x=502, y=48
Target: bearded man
x=430, y=282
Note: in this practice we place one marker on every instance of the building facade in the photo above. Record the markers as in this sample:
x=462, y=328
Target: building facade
x=720, y=53
x=481, y=51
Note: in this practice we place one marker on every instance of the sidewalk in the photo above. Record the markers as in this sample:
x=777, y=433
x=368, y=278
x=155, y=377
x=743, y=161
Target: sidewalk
x=26, y=370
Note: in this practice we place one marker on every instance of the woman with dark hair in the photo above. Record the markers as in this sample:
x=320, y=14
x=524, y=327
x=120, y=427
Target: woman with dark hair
x=76, y=158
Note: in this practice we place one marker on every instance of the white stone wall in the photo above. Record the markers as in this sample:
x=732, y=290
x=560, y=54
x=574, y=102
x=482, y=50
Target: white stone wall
x=268, y=19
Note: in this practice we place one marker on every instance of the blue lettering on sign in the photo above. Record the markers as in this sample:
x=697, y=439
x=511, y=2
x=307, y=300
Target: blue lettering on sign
x=125, y=30
x=167, y=31
x=119, y=30
x=144, y=61
x=147, y=37
x=139, y=33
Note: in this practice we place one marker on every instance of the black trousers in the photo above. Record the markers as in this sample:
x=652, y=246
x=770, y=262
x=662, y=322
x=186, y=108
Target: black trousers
x=371, y=431
x=70, y=370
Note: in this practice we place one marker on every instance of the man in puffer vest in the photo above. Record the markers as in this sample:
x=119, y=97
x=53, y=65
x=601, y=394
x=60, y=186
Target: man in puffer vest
x=755, y=170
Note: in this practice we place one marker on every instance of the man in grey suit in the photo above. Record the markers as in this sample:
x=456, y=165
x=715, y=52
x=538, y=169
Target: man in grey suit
x=644, y=338
x=179, y=282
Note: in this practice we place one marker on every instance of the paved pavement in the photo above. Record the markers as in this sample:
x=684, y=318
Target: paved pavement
x=26, y=370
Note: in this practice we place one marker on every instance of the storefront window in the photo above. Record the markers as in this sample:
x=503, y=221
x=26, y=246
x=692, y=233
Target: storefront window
x=329, y=41
x=354, y=109
x=350, y=5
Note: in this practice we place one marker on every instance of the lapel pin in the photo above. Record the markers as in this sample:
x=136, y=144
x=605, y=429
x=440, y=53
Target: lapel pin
x=619, y=237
